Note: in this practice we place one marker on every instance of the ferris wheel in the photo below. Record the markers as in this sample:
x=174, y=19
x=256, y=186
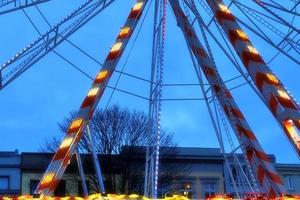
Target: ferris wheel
x=206, y=25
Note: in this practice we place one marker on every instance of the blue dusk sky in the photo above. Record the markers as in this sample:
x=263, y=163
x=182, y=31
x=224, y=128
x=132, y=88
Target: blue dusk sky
x=33, y=104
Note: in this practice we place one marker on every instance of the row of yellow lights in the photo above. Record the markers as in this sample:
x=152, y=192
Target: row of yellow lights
x=243, y=35
x=95, y=197
x=126, y=197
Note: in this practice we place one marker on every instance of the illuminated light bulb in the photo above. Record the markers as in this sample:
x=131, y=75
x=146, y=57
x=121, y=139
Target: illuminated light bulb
x=66, y=143
x=283, y=94
x=76, y=124
x=117, y=46
x=134, y=196
x=124, y=31
x=47, y=178
x=93, y=92
x=242, y=34
x=224, y=8
x=289, y=125
x=252, y=49
x=272, y=78
x=102, y=75
x=137, y=6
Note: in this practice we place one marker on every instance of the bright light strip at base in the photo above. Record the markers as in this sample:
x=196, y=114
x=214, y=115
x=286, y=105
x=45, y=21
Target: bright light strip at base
x=94, y=197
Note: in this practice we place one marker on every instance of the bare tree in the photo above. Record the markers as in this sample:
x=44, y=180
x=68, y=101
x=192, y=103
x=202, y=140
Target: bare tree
x=121, y=137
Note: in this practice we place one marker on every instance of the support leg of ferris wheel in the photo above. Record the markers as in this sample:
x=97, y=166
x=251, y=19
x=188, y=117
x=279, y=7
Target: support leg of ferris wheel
x=214, y=123
x=191, y=4
x=81, y=173
x=76, y=128
x=96, y=162
x=280, y=102
x=243, y=176
x=264, y=170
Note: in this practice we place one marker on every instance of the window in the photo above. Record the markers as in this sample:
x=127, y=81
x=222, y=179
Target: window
x=4, y=182
x=209, y=189
x=289, y=182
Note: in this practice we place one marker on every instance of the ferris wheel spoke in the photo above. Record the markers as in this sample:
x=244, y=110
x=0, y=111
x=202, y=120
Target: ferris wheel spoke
x=252, y=14
x=280, y=7
x=8, y=6
x=277, y=17
x=48, y=41
x=287, y=54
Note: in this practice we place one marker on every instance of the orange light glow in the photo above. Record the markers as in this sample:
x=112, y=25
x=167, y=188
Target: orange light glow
x=93, y=92
x=252, y=49
x=242, y=34
x=102, y=75
x=66, y=143
x=76, y=124
x=289, y=125
x=117, y=46
x=124, y=31
x=47, y=178
x=137, y=6
x=272, y=78
x=224, y=8
x=283, y=94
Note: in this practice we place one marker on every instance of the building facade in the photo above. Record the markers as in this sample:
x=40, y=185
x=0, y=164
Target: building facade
x=290, y=174
x=10, y=173
x=199, y=172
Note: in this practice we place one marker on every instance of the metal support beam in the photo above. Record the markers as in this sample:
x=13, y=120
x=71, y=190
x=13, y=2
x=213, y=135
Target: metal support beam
x=154, y=127
x=96, y=162
x=81, y=173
